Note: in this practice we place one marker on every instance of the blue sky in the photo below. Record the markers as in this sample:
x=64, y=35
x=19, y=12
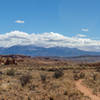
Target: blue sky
x=67, y=17
x=48, y=23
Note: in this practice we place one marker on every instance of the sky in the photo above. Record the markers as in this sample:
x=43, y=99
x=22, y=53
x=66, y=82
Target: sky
x=68, y=18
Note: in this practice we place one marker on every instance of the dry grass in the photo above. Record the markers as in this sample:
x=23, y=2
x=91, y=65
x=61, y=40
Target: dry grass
x=45, y=79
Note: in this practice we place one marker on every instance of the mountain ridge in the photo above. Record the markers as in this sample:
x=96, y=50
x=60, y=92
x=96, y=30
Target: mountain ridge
x=31, y=50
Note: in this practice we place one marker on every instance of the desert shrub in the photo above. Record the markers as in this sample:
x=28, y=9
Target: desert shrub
x=43, y=69
x=1, y=72
x=98, y=69
x=94, y=76
x=29, y=98
x=82, y=75
x=52, y=69
x=32, y=87
x=74, y=96
x=25, y=79
x=76, y=77
x=58, y=74
x=51, y=98
x=65, y=93
x=43, y=77
x=10, y=72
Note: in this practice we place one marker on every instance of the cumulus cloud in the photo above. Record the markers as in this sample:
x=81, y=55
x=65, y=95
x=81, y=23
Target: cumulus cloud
x=19, y=21
x=48, y=40
x=85, y=29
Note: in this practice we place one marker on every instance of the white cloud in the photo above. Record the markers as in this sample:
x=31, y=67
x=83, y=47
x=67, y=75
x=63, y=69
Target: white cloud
x=19, y=21
x=81, y=35
x=48, y=40
x=85, y=29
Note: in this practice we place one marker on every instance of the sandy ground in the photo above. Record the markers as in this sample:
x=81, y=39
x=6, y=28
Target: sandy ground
x=86, y=91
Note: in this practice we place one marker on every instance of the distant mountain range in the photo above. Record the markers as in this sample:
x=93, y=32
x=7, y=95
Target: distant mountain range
x=31, y=50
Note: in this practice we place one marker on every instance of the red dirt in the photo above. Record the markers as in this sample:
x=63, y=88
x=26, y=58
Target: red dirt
x=86, y=91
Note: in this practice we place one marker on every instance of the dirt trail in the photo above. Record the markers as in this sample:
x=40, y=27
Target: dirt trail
x=86, y=91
